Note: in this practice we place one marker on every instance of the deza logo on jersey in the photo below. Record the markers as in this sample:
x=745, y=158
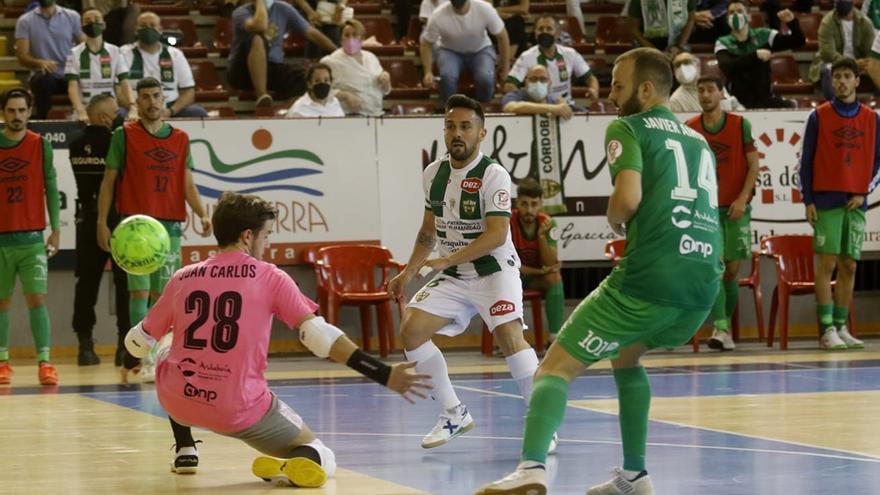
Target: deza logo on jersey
x=471, y=185
x=502, y=308
x=688, y=245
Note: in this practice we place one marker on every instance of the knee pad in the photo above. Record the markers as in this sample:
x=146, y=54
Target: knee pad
x=318, y=336
x=328, y=458
x=138, y=341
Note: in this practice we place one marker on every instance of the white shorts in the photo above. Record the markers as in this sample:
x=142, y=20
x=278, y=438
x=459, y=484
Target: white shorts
x=497, y=298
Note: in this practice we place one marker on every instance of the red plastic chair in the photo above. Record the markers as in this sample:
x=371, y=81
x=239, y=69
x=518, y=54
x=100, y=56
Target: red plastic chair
x=753, y=281
x=613, y=33
x=536, y=299
x=795, y=276
x=348, y=274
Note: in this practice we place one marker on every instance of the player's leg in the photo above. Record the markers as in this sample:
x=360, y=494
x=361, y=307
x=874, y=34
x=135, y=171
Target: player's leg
x=7, y=285
x=123, y=324
x=725, y=303
x=554, y=299
x=186, y=455
x=34, y=270
x=827, y=241
x=851, y=252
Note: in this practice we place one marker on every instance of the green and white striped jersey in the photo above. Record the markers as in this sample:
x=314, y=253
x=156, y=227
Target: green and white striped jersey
x=461, y=199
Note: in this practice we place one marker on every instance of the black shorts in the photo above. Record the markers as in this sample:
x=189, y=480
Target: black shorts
x=285, y=80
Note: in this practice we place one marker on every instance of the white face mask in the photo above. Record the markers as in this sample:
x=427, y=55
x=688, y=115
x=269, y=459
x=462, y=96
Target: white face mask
x=687, y=73
x=537, y=91
x=269, y=4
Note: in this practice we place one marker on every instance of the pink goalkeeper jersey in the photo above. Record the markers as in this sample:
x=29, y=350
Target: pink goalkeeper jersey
x=220, y=312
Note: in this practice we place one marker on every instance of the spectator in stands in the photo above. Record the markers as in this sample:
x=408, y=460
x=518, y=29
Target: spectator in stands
x=843, y=32
x=121, y=20
x=43, y=38
x=744, y=56
x=662, y=24
x=459, y=29
x=329, y=16
x=562, y=62
x=771, y=10
x=874, y=61
x=318, y=101
x=427, y=7
x=534, y=97
x=871, y=9
x=260, y=66
x=149, y=57
x=360, y=81
x=513, y=13
x=686, y=97
x=710, y=21
x=95, y=67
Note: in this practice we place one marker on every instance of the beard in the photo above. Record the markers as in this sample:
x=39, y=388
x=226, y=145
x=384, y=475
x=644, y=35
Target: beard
x=16, y=125
x=461, y=152
x=630, y=107
x=709, y=107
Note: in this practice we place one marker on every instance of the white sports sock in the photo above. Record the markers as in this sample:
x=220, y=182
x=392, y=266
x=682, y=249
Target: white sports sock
x=629, y=475
x=522, y=366
x=328, y=458
x=430, y=360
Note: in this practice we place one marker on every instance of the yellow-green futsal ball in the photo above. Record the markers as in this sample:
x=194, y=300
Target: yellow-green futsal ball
x=140, y=245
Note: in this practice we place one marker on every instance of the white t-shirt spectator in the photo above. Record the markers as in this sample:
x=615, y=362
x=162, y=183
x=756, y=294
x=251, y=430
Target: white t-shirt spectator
x=567, y=64
x=360, y=79
x=429, y=6
x=304, y=106
x=463, y=33
x=157, y=65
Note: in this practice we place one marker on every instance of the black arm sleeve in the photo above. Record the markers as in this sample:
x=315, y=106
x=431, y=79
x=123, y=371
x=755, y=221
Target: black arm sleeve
x=795, y=39
x=731, y=64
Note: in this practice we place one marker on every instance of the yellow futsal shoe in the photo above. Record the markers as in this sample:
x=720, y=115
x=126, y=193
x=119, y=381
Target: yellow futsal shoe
x=299, y=471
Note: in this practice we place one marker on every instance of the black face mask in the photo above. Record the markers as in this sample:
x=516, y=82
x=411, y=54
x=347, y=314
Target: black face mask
x=321, y=90
x=47, y=3
x=458, y=4
x=546, y=40
x=843, y=8
x=94, y=29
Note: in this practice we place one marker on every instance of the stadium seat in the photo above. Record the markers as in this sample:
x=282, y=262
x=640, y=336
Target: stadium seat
x=709, y=67
x=221, y=39
x=208, y=87
x=406, y=82
x=613, y=34
x=365, y=7
x=756, y=19
x=277, y=110
x=60, y=114
x=189, y=43
x=310, y=257
x=536, y=299
x=413, y=34
x=809, y=23
x=348, y=273
x=786, y=77
x=601, y=7
x=793, y=255
x=163, y=8
x=579, y=42
x=549, y=7
x=294, y=44
x=753, y=281
x=380, y=27
x=220, y=112
x=426, y=108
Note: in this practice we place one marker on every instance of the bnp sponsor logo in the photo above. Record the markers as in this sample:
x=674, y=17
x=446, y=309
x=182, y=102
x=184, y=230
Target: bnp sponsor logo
x=278, y=175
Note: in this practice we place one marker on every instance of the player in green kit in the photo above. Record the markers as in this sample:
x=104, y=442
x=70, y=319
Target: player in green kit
x=665, y=201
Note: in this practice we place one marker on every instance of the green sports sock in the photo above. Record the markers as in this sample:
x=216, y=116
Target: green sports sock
x=825, y=312
x=39, y=318
x=731, y=297
x=4, y=336
x=137, y=309
x=554, y=307
x=719, y=310
x=634, y=397
x=840, y=316
x=546, y=410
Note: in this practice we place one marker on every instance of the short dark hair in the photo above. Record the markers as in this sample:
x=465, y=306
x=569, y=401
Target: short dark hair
x=711, y=79
x=846, y=63
x=548, y=16
x=461, y=101
x=318, y=66
x=147, y=83
x=744, y=3
x=236, y=213
x=16, y=93
x=650, y=64
x=529, y=187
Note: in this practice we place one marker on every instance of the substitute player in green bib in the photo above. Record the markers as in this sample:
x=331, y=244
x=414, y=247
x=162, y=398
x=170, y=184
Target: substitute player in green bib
x=839, y=164
x=730, y=137
x=28, y=188
x=150, y=167
x=665, y=202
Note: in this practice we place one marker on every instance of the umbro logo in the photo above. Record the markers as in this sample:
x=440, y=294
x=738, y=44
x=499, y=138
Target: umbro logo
x=12, y=164
x=160, y=155
x=848, y=133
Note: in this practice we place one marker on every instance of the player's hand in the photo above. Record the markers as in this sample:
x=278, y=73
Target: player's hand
x=384, y=81
x=563, y=111
x=437, y=264
x=619, y=229
x=785, y=16
x=592, y=94
x=863, y=63
x=855, y=202
x=207, y=228
x=397, y=285
x=408, y=384
x=132, y=114
x=104, y=235
x=704, y=19
x=82, y=114
x=737, y=209
x=53, y=243
x=545, y=227
x=812, y=216
x=428, y=81
x=763, y=54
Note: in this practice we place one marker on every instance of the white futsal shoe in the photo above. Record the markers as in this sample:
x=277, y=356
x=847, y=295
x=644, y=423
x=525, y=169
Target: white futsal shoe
x=621, y=486
x=831, y=340
x=186, y=461
x=554, y=444
x=847, y=338
x=530, y=480
x=452, y=423
x=721, y=340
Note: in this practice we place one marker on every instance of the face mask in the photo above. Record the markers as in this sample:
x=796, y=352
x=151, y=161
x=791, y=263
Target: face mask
x=686, y=73
x=46, y=3
x=269, y=4
x=546, y=40
x=148, y=35
x=843, y=8
x=321, y=90
x=537, y=91
x=351, y=46
x=458, y=4
x=737, y=21
x=94, y=29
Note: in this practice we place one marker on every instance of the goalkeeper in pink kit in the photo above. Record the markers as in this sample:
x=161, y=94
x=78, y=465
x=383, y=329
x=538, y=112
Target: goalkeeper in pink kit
x=220, y=314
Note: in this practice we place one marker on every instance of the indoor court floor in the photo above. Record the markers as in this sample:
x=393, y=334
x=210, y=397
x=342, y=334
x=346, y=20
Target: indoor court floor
x=755, y=421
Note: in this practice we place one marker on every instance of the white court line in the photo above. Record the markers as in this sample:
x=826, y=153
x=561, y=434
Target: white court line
x=872, y=458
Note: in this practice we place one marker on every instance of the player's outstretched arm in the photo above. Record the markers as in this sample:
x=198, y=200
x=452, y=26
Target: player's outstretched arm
x=625, y=198
x=325, y=340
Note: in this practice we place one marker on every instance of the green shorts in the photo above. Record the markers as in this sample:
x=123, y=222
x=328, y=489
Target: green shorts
x=839, y=231
x=609, y=320
x=736, y=235
x=156, y=281
x=30, y=263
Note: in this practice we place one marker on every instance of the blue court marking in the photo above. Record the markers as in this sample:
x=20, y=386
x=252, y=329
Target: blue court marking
x=377, y=434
